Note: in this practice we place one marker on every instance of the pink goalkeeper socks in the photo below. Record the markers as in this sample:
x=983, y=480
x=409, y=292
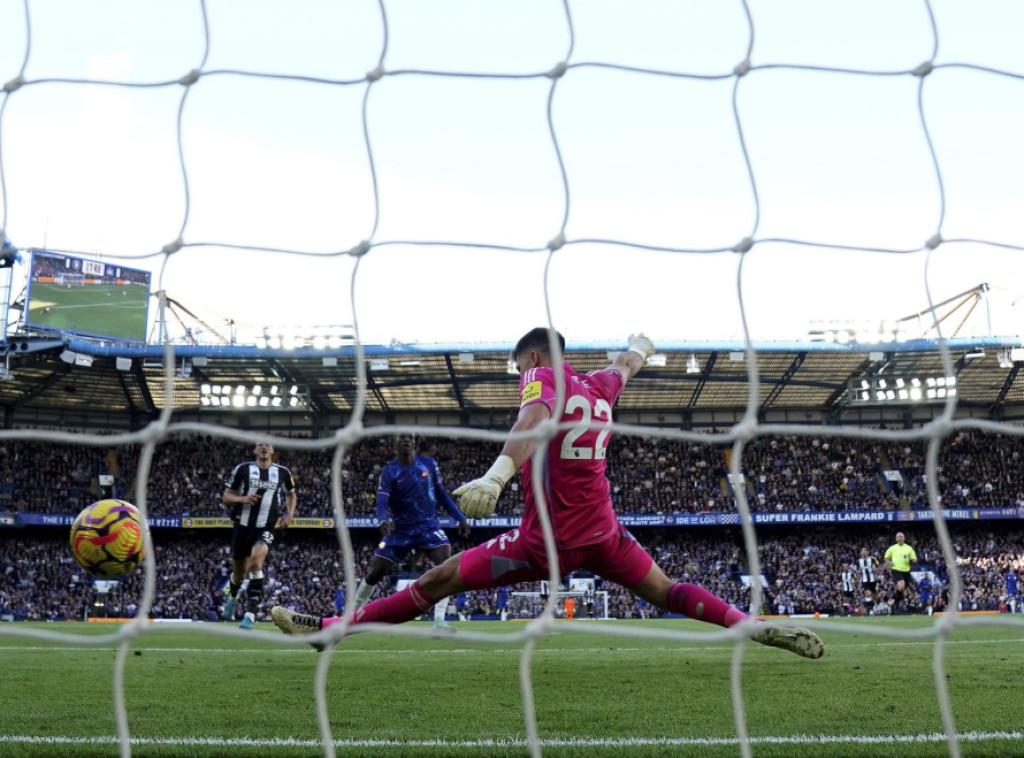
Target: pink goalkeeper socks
x=697, y=603
x=404, y=605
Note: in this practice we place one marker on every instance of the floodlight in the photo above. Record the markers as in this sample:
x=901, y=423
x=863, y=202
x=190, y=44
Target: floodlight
x=692, y=367
x=876, y=390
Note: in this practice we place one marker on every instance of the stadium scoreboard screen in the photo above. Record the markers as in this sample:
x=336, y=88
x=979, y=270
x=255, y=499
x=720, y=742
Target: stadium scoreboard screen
x=87, y=297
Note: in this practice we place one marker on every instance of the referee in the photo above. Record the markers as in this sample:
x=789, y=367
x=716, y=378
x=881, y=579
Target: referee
x=899, y=557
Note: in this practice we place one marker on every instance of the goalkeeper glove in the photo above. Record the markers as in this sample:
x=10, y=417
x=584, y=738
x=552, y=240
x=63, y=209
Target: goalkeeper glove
x=640, y=344
x=478, y=498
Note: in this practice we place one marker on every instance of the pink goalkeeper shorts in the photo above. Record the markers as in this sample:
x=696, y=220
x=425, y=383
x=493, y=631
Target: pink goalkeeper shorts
x=509, y=559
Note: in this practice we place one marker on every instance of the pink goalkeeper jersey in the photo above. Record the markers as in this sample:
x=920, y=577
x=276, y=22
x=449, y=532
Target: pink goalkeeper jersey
x=575, y=487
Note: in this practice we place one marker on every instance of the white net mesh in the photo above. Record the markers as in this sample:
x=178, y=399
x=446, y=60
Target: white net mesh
x=185, y=147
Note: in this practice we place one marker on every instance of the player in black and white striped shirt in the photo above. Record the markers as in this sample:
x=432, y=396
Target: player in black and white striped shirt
x=849, y=581
x=258, y=492
x=866, y=568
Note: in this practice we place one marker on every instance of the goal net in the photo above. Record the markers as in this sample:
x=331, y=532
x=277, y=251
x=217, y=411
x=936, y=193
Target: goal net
x=453, y=176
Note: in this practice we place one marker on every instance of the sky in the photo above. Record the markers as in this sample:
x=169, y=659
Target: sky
x=820, y=155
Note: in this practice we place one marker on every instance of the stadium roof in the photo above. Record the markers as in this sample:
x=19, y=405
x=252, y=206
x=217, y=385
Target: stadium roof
x=96, y=378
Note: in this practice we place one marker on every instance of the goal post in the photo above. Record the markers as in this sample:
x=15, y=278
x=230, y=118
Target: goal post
x=530, y=604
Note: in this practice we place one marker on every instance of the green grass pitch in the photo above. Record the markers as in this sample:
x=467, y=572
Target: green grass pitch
x=192, y=690
x=91, y=310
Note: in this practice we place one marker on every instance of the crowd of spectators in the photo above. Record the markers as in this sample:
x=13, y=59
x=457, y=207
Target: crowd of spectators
x=801, y=571
x=647, y=475
x=801, y=567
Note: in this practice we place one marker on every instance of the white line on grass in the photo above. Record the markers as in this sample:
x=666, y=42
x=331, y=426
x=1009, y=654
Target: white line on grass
x=516, y=742
x=342, y=650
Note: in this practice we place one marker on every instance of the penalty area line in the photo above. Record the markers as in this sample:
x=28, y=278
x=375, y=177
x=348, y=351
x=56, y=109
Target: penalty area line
x=517, y=742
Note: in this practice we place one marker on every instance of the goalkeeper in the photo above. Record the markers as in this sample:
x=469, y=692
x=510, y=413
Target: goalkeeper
x=571, y=479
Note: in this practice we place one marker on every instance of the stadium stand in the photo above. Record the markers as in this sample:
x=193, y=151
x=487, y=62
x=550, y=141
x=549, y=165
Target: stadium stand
x=801, y=564
x=801, y=570
x=648, y=476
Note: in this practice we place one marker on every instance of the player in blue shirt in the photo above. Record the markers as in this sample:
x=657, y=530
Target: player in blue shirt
x=927, y=593
x=339, y=599
x=501, y=603
x=410, y=490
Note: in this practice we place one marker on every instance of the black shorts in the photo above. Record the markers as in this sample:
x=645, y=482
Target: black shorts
x=244, y=537
x=868, y=586
x=902, y=575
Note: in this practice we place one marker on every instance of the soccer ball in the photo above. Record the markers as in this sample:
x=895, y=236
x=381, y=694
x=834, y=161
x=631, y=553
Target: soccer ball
x=107, y=539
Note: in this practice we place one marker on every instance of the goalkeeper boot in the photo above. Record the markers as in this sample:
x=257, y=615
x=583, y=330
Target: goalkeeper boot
x=795, y=639
x=291, y=622
x=229, y=608
x=248, y=621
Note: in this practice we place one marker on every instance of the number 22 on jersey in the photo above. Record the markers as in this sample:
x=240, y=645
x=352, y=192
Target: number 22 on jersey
x=601, y=410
